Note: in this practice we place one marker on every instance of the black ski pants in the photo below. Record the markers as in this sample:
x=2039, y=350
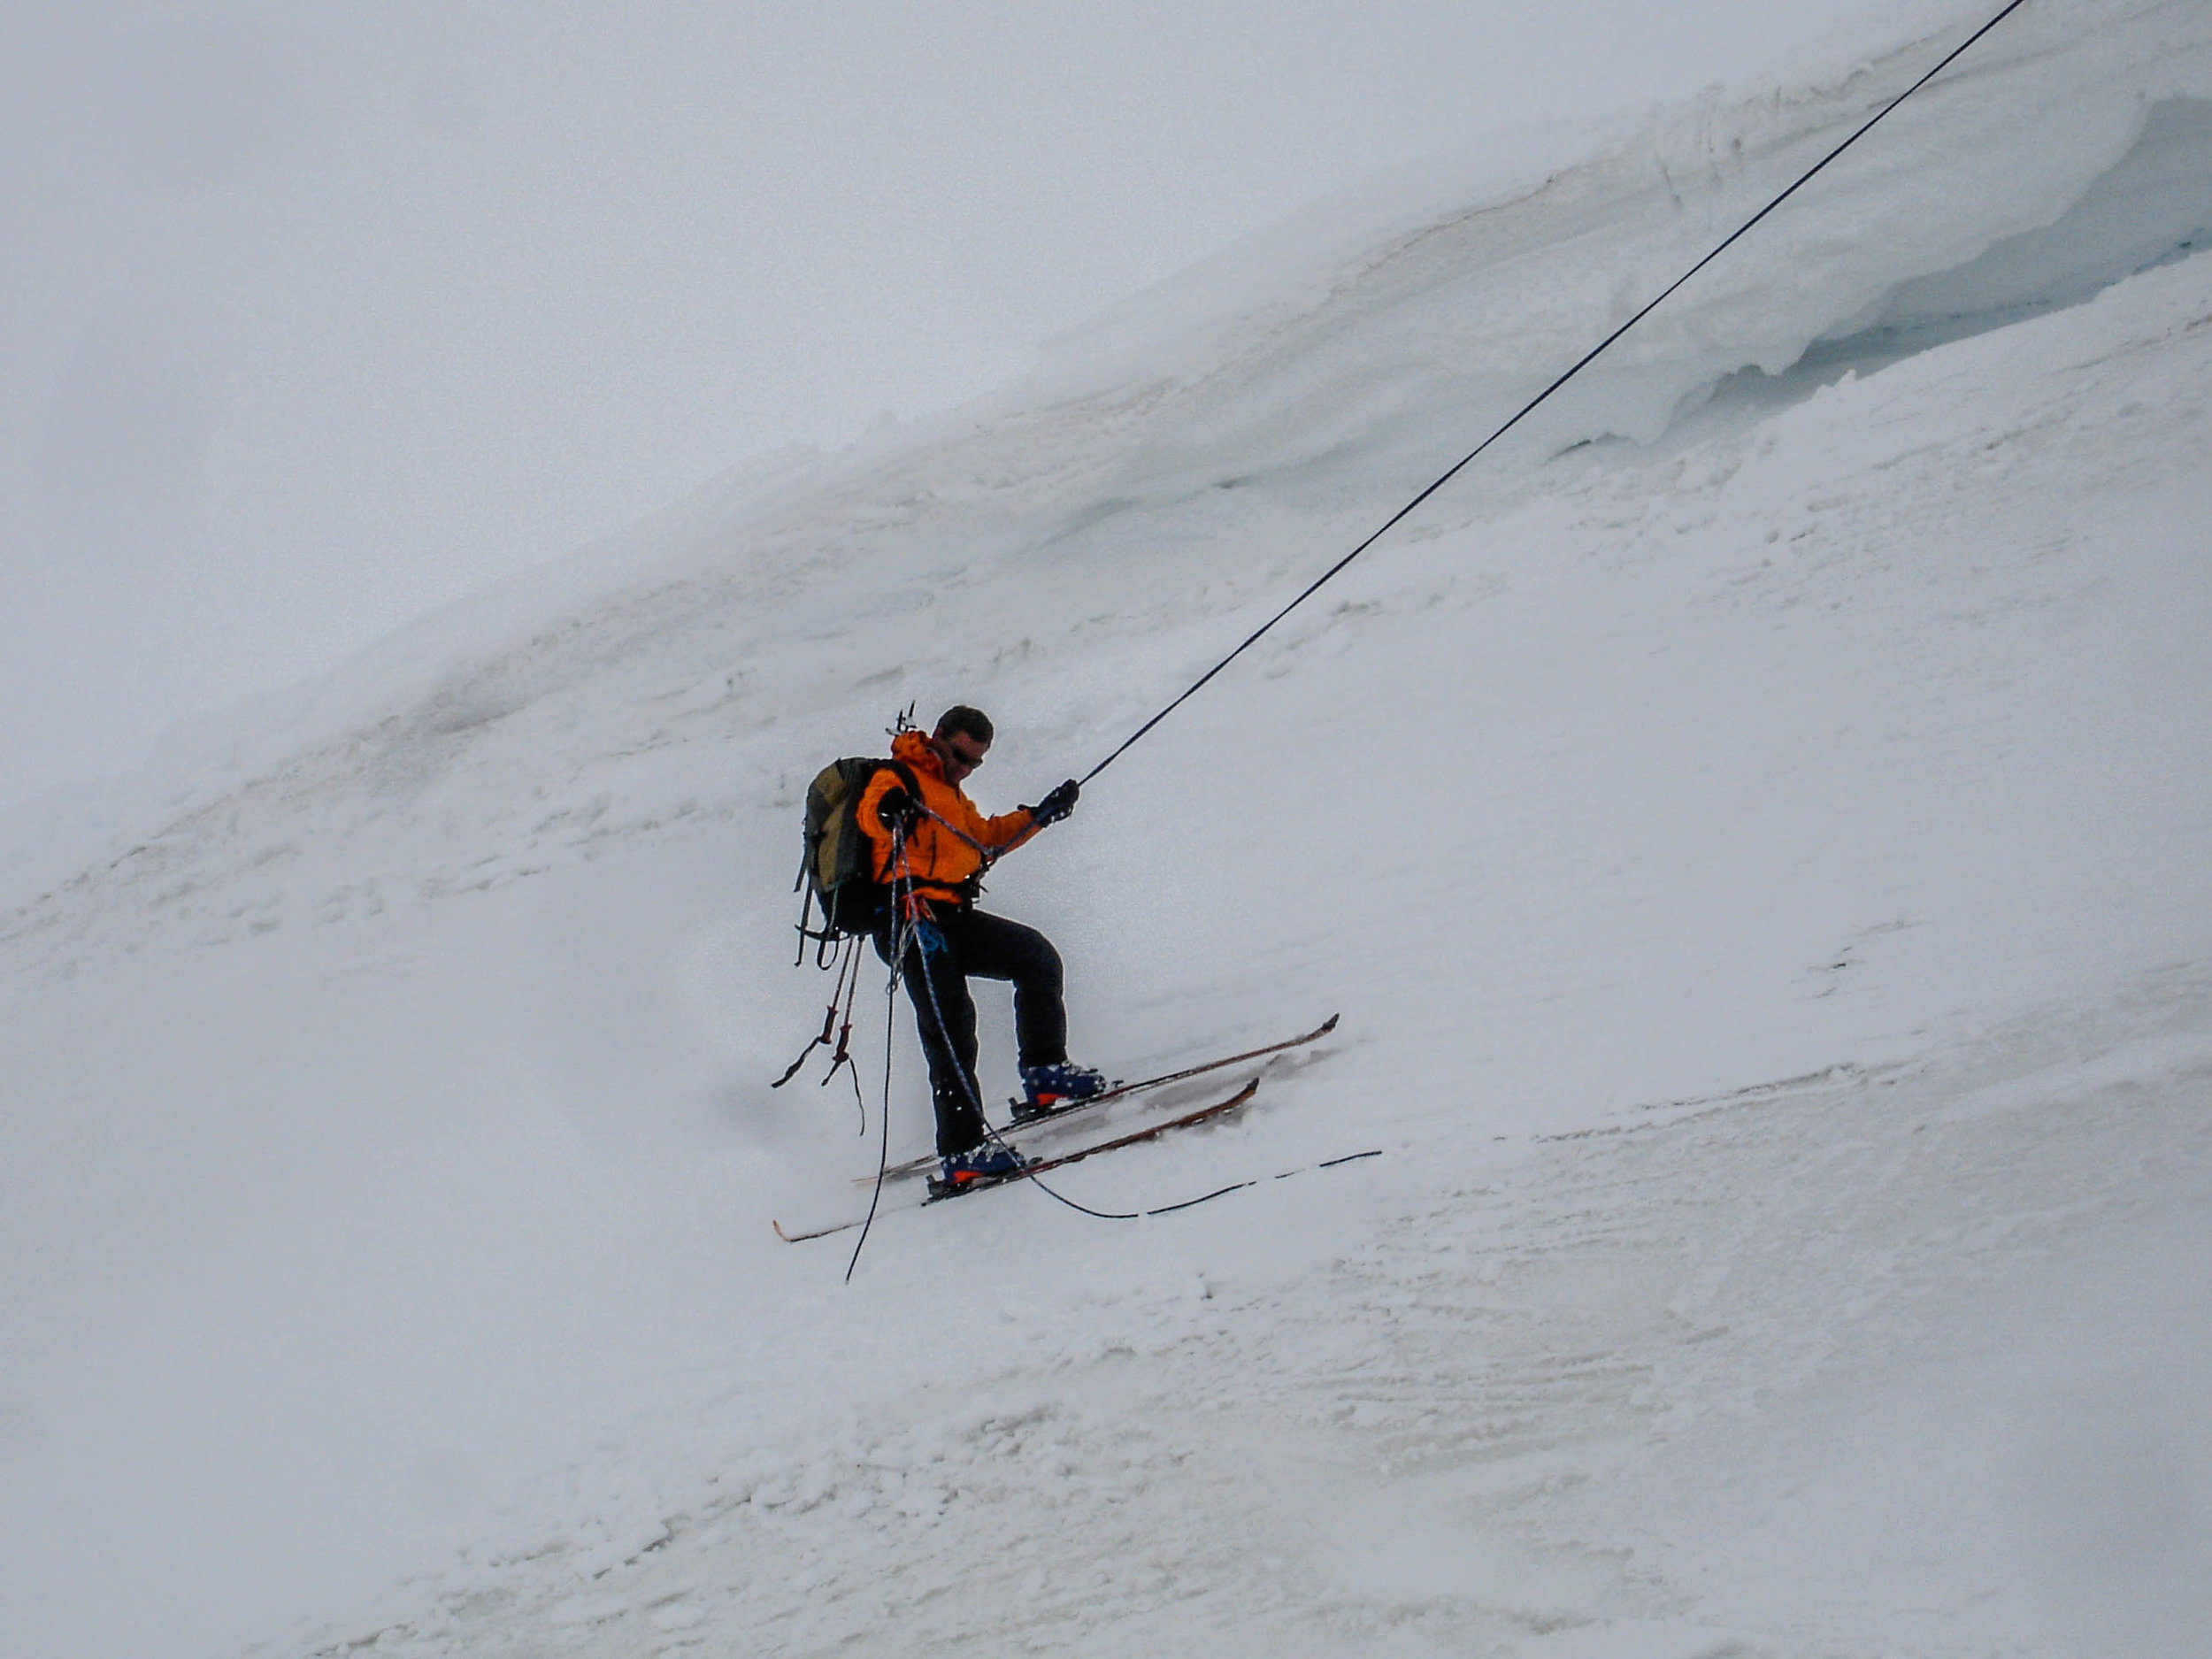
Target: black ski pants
x=983, y=947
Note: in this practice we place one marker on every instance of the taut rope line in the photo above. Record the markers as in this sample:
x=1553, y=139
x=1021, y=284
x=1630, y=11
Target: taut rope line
x=1528, y=408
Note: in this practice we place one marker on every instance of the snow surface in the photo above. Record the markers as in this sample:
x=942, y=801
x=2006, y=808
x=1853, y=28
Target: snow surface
x=1757, y=830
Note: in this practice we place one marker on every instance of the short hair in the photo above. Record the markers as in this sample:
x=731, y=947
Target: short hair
x=961, y=718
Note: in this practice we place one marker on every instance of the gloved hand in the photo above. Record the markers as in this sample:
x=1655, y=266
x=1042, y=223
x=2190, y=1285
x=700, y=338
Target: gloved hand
x=1058, y=804
x=897, y=809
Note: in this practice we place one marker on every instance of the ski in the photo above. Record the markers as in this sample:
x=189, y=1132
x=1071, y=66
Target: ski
x=1122, y=1091
x=1219, y=1109
x=939, y=1193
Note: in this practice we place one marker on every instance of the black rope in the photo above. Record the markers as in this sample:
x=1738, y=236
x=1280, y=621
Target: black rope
x=883, y=1154
x=967, y=1083
x=1238, y=1186
x=904, y=938
x=969, y=1087
x=903, y=931
x=1530, y=407
x=1190, y=1204
x=992, y=1132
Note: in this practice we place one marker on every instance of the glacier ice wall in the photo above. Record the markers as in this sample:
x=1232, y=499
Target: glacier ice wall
x=2069, y=149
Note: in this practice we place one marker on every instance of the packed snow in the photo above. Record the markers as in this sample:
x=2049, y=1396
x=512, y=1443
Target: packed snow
x=1757, y=828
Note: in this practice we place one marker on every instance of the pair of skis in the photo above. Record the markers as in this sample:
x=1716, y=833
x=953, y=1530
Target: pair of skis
x=1122, y=1091
x=1040, y=1166
x=1212, y=1112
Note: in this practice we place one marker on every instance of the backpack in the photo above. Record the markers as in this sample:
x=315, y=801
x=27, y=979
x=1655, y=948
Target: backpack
x=838, y=871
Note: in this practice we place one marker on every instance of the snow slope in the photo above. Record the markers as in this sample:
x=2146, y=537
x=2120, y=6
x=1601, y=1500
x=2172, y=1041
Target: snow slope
x=1756, y=832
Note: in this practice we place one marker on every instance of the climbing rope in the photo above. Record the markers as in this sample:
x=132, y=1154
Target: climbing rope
x=903, y=933
x=1528, y=408
x=975, y=1099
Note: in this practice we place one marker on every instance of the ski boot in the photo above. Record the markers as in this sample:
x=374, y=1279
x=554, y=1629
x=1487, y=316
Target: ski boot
x=983, y=1166
x=1046, y=1090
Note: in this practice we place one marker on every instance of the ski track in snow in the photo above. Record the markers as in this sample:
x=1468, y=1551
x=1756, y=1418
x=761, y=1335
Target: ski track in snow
x=1758, y=832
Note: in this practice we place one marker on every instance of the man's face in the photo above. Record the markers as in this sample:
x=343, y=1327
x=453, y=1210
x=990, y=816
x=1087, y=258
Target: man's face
x=959, y=753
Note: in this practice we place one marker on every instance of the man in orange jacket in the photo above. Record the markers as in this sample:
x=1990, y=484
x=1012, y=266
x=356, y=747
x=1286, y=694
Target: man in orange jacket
x=930, y=846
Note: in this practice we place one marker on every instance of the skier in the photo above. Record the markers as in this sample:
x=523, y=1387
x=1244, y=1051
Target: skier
x=930, y=853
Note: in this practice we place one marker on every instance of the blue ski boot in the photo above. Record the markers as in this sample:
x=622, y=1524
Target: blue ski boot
x=1046, y=1090
x=978, y=1166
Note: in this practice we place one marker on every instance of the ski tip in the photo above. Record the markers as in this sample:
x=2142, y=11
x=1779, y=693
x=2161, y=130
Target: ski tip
x=780, y=1233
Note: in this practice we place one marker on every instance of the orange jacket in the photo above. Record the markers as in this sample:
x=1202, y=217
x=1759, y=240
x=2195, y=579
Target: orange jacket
x=937, y=859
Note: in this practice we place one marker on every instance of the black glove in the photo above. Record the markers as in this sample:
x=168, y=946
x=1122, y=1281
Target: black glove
x=1058, y=804
x=897, y=811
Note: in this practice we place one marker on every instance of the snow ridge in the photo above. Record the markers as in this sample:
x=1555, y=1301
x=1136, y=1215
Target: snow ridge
x=2069, y=153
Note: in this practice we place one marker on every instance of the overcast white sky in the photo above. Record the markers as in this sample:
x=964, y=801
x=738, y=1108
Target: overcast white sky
x=316, y=317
